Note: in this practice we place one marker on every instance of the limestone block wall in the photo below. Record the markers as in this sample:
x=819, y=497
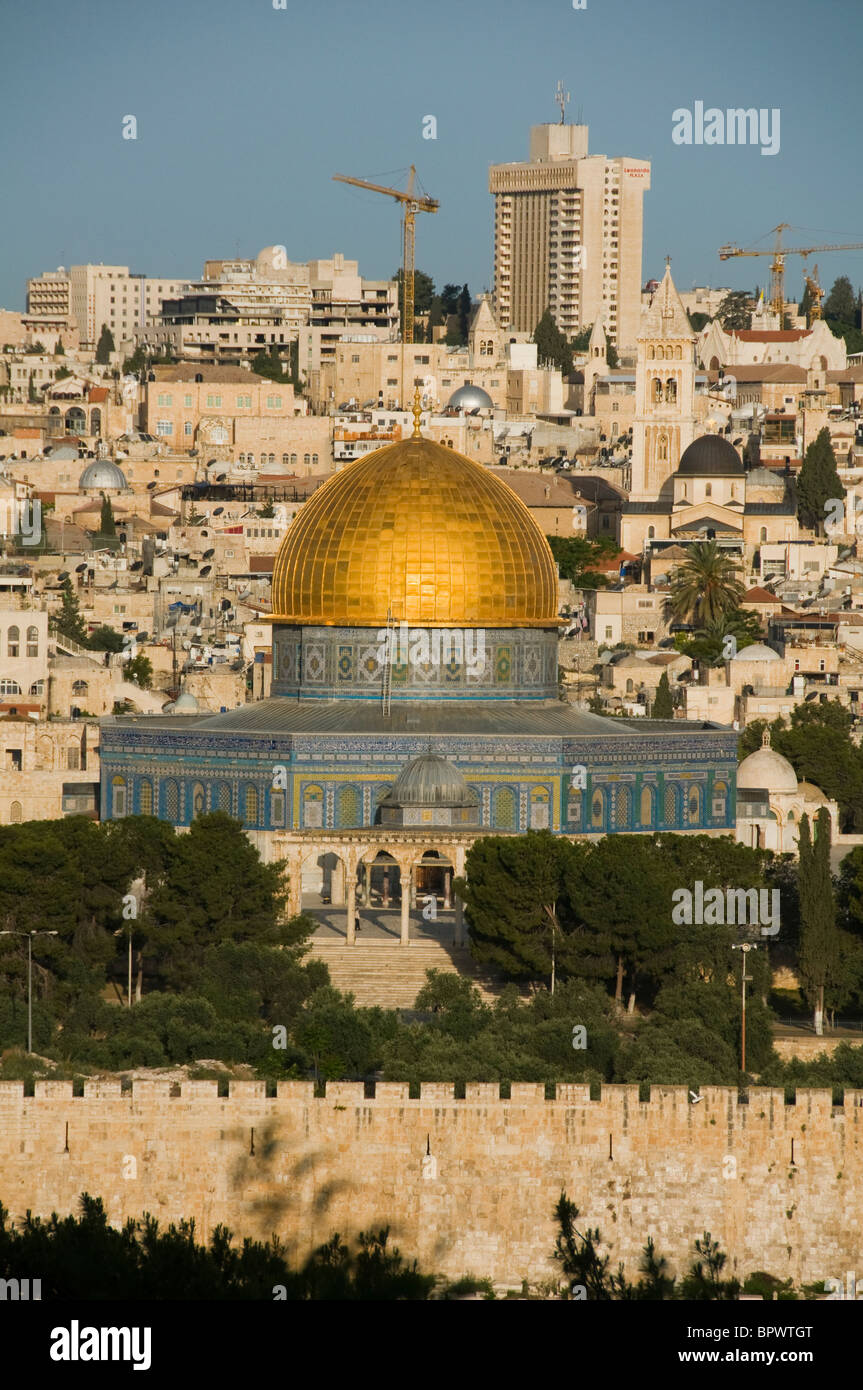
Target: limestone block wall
x=465, y=1185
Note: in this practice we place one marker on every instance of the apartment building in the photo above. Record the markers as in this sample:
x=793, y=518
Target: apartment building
x=568, y=236
x=88, y=296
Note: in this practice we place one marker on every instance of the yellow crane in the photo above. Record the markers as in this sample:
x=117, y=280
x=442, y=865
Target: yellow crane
x=411, y=205
x=777, y=265
x=816, y=293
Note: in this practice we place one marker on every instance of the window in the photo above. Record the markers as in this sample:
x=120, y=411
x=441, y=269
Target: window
x=15, y=813
x=244, y=401
x=171, y=801
x=670, y=806
x=32, y=641
x=708, y=489
x=145, y=797
x=694, y=805
x=646, y=806
x=13, y=638
x=80, y=688
x=223, y=800
x=349, y=807
x=306, y=458
x=199, y=802
x=597, y=809
x=118, y=797
x=313, y=807
x=165, y=399
x=274, y=402
x=608, y=634
x=187, y=428
x=73, y=757
x=214, y=401
x=314, y=458
x=662, y=448
x=250, y=814
x=504, y=809
x=37, y=688
x=187, y=402
x=622, y=807
x=9, y=687
x=277, y=808
x=164, y=427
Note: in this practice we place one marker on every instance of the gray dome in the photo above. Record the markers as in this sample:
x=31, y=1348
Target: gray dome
x=102, y=474
x=430, y=780
x=470, y=398
x=765, y=477
x=756, y=651
x=185, y=704
x=710, y=456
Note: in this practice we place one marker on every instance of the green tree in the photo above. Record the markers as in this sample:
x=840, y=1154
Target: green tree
x=817, y=481
x=705, y=585
x=106, y=519
x=704, y=1282
x=69, y=622
x=105, y=639
x=576, y=557
x=267, y=363
x=841, y=302
x=59, y=351
x=105, y=346
x=449, y=298
x=512, y=892
x=709, y=643
x=436, y=317
x=423, y=292
x=698, y=320
x=140, y=670
x=663, y=704
x=464, y=308
x=818, y=962
x=32, y=394
x=551, y=344
x=735, y=310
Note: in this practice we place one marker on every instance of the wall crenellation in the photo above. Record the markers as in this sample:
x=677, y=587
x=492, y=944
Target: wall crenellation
x=466, y=1185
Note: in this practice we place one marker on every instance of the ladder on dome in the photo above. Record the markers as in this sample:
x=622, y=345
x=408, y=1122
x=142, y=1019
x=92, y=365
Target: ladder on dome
x=387, y=679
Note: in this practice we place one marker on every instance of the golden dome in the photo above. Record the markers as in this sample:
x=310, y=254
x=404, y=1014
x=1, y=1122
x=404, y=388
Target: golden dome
x=420, y=529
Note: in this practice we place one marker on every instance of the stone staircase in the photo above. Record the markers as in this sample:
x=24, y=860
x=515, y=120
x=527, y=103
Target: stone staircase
x=390, y=975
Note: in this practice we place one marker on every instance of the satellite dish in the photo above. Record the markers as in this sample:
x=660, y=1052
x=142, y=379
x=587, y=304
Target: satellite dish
x=208, y=554
x=217, y=511
x=151, y=485
x=142, y=636
x=206, y=570
x=187, y=646
x=221, y=478
x=79, y=569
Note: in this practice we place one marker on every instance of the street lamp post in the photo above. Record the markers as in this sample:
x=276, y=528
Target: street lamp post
x=29, y=935
x=745, y=947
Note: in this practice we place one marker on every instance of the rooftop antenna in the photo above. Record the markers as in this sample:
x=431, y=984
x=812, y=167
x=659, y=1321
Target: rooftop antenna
x=561, y=97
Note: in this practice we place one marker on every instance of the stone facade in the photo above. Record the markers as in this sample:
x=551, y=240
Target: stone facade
x=464, y=1185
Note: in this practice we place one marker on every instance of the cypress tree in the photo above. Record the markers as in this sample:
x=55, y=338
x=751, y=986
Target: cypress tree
x=663, y=705
x=818, y=481
x=818, y=962
x=105, y=346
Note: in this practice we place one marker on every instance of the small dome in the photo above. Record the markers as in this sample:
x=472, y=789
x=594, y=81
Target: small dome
x=756, y=652
x=710, y=456
x=185, y=704
x=810, y=792
x=102, y=474
x=765, y=477
x=430, y=780
x=470, y=398
x=766, y=770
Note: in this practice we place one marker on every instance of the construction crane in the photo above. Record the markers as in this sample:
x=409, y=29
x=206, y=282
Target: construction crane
x=411, y=206
x=777, y=265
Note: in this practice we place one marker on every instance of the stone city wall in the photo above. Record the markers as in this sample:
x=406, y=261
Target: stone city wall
x=465, y=1185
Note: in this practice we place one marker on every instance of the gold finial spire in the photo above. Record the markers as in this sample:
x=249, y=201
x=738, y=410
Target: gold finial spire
x=417, y=413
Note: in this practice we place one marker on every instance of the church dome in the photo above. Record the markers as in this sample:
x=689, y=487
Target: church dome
x=469, y=397
x=711, y=456
x=766, y=770
x=756, y=651
x=430, y=780
x=417, y=529
x=102, y=474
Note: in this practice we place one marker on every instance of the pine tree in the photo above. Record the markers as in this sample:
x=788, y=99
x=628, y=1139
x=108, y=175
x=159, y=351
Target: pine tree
x=818, y=962
x=817, y=482
x=841, y=303
x=105, y=346
x=551, y=345
x=663, y=705
x=70, y=623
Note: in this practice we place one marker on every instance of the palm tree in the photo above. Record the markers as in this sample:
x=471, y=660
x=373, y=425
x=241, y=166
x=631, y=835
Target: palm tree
x=705, y=585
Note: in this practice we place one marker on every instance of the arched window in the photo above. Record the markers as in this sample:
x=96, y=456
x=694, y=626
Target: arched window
x=76, y=421
x=694, y=805
x=630, y=686
x=171, y=801
x=660, y=353
x=708, y=489
x=13, y=640
x=272, y=458
x=80, y=688
x=73, y=757
x=597, y=809
x=622, y=807
x=662, y=448
x=145, y=797
x=670, y=806
x=95, y=421
x=349, y=807
x=538, y=808
x=242, y=459
x=293, y=460
x=199, y=800
x=37, y=688
x=118, y=797
x=32, y=641
x=671, y=390
x=313, y=807
x=15, y=813
x=307, y=458
x=286, y=458
x=763, y=536
x=657, y=390
x=277, y=808
x=651, y=532
x=504, y=809
x=646, y=806
x=314, y=458
x=223, y=798
x=651, y=353
x=678, y=354
x=250, y=813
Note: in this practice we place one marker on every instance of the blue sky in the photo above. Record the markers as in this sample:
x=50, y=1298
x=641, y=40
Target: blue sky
x=244, y=112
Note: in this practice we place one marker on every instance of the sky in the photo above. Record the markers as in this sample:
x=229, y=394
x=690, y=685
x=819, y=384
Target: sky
x=244, y=112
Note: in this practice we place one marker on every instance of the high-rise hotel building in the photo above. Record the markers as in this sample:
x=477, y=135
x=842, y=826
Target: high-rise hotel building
x=567, y=236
